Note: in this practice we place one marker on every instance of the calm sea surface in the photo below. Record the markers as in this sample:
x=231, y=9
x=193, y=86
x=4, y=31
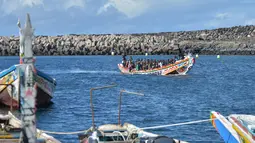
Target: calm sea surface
x=225, y=85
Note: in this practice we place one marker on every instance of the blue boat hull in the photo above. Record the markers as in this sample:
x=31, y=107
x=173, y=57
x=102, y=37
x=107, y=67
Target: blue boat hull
x=224, y=128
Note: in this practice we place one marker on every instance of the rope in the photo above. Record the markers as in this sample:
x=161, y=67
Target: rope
x=63, y=133
x=178, y=124
x=144, y=128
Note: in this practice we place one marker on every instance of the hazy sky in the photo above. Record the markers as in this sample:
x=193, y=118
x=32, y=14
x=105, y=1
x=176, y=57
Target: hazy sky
x=57, y=17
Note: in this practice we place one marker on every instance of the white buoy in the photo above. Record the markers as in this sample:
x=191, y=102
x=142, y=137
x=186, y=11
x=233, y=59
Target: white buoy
x=196, y=55
x=218, y=56
x=112, y=53
x=146, y=54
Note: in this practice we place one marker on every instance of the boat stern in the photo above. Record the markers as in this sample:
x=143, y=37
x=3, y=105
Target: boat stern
x=123, y=69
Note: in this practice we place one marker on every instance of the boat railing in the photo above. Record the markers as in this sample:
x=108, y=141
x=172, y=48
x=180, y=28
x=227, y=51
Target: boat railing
x=12, y=87
x=91, y=102
x=124, y=91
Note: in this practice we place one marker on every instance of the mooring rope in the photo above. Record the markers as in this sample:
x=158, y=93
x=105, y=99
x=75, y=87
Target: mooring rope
x=63, y=133
x=177, y=124
x=144, y=128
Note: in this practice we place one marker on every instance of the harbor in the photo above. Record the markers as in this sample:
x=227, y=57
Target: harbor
x=83, y=98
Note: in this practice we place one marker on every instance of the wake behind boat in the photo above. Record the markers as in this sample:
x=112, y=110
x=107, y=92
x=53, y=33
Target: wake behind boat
x=120, y=133
x=45, y=84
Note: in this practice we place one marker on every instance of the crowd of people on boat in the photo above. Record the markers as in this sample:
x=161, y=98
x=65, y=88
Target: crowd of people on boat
x=148, y=64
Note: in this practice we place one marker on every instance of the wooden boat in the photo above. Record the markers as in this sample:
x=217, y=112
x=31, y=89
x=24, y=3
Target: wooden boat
x=224, y=128
x=244, y=125
x=45, y=84
x=236, y=128
x=179, y=67
x=9, y=94
x=120, y=133
x=11, y=127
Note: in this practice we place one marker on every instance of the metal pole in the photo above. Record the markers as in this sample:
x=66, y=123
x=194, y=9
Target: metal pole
x=135, y=93
x=91, y=101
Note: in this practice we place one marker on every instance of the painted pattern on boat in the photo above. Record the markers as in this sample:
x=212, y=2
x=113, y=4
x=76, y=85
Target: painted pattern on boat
x=10, y=76
x=224, y=128
x=243, y=132
x=182, y=65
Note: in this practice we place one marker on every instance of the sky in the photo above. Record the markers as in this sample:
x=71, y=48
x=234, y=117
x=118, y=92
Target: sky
x=61, y=17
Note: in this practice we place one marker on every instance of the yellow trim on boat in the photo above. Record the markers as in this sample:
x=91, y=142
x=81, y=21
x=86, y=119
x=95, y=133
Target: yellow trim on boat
x=7, y=79
x=6, y=137
x=242, y=135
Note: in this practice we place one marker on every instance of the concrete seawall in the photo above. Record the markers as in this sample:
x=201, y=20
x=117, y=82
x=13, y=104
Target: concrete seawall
x=239, y=40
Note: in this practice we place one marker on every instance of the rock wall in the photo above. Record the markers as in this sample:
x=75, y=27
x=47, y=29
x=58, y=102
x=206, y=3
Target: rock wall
x=239, y=40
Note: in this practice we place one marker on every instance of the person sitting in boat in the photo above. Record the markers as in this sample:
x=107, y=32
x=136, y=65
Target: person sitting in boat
x=172, y=61
x=137, y=65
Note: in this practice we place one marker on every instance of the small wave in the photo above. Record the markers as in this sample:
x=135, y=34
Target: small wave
x=79, y=72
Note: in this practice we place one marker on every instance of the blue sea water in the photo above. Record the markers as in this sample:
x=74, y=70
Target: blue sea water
x=225, y=85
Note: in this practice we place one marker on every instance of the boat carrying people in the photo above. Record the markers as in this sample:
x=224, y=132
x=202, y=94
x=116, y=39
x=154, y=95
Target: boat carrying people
x=180, y=64
x=120, y=133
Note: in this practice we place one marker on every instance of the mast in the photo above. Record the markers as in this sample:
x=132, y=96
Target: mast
x=27, y=84
x=26, y=38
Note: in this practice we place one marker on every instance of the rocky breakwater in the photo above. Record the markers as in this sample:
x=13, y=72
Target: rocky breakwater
x=235, y=40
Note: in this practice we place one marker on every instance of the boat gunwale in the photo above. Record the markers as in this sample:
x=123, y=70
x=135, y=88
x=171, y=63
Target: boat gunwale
x=7, y=71
x=240, y=129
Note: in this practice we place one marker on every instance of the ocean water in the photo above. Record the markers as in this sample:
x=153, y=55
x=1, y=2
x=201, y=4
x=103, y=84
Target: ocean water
x=225, y=85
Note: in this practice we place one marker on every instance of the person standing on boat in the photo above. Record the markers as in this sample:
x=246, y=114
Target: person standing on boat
x=129, y=66
x=160, y=64
x=130, y=58
x=124, y=60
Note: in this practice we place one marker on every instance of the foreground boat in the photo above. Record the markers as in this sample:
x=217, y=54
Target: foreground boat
x=11, y=127
x=179, y=67
x=126, y=133
x=45, y=84
x=236, y=128
x=244, y=125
